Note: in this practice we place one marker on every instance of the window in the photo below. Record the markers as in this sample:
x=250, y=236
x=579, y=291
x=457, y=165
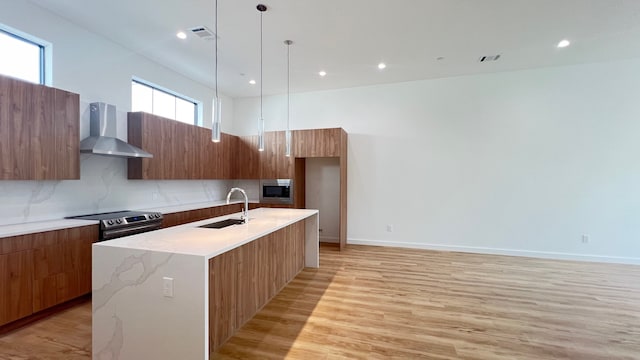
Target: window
x=21, y=58
x=150, y=98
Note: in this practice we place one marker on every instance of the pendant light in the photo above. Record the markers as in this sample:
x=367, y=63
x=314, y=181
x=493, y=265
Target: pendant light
x=261, y=8
x=216, y=103
x=287, y=134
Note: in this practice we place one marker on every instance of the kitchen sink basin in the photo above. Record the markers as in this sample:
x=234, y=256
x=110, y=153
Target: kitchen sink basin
x=222, y=223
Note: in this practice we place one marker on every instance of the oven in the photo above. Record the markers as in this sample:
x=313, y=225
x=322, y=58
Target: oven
x=276, y=191
x=123, y=223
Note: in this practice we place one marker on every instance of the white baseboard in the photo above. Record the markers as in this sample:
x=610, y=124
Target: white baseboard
x=496, y=251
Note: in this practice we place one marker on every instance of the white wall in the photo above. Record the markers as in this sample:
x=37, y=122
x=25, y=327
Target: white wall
x=519, y=162
x=99, y=70
x=323, y=193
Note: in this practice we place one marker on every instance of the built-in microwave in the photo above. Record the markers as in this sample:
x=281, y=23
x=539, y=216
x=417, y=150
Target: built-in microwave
x=276, y=191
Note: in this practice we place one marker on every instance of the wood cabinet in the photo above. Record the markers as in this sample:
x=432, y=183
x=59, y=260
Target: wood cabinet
x=62, y=265
x=15, y=285
x=243, y=280
x=41, y=270
x=180, y=151
x=39, y=132
x=273, y=162
x=318, y=142
x=248, y=158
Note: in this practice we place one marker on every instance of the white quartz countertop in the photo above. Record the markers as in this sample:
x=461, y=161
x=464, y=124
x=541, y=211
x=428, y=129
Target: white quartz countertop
x=41, y=226
x=190, y=239
x=57, y=224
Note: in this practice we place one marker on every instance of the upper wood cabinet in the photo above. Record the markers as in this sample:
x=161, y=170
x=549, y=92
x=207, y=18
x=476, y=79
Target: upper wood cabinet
x=248, y=158
x=39, y=132
x=273, y=162
x=319, y=142
x=180, y=151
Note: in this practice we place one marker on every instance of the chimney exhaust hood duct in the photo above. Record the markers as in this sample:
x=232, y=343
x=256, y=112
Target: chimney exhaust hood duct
x=102, y=135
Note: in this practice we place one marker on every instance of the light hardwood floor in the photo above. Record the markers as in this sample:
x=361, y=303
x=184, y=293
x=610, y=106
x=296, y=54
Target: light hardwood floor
x=378, y=303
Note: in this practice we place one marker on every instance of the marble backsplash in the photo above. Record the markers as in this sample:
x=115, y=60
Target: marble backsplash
x=103, y=186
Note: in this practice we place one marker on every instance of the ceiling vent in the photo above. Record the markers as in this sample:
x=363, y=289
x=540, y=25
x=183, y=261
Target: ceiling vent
x=203, y=32
x=488, y=58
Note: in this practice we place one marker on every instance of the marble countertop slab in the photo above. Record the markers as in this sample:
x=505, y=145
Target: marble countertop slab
x=190, y=239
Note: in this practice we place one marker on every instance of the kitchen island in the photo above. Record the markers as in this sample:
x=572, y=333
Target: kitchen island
x=180, y=292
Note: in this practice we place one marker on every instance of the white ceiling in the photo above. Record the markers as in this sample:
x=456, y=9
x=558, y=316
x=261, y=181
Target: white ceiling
x=347, y=38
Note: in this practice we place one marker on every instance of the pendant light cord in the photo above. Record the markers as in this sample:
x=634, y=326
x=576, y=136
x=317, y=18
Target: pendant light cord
x=215, y=33
x=288, y=80
x=261, y=65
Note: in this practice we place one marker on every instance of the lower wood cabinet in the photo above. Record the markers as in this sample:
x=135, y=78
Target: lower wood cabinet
x=243, y=280
x=41, y=270
x=15, y=285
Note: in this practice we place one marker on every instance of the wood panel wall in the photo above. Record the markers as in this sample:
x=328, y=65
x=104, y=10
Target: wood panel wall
x=39, y=132
x=243, y=280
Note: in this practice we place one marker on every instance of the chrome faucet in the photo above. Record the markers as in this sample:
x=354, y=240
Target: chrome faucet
x=245, y=211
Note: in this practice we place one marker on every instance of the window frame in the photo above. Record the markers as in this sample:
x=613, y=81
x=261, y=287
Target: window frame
x=197, y=116
x=45, y=53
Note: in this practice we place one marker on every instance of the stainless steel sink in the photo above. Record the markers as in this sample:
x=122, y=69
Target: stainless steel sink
x=222, y=223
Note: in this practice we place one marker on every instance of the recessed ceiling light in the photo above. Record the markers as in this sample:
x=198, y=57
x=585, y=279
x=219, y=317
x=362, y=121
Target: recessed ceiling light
x=564, y=43
x=181, y=35
x=252, y=82
x=382, y=66
x=322, y=73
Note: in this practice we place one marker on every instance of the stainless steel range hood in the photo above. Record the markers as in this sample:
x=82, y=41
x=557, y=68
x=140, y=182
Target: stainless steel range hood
x=102, y=138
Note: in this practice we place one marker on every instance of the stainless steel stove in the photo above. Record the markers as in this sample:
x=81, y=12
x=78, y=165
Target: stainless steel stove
x=122, y=223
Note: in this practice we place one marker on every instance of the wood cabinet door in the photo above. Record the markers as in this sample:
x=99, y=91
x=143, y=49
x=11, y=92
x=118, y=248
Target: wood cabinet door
x=39, y=132
x=222, y=298
x=62, y=265
x=269, y=156
x=15, y=285
x=248, y=158
x=317, y=142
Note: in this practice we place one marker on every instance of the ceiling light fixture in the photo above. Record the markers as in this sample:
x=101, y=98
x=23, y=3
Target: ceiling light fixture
x=216, y=103
x=252, y=82
x=563, y=43
x=322, y=73
x=261, y=8
x=382, y=66
x=181, y=35
x=287, y=134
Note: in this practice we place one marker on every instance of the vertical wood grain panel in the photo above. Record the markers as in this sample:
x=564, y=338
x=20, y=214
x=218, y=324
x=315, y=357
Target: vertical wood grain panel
x=134, y=137
x=39, y=132
x=248, y=158
x=230, y=159
x=222, y=298
x=66, y=132
x=15, y=286
x=284, y=164
x=254, y=272
x=343, y=189
x=268, y=158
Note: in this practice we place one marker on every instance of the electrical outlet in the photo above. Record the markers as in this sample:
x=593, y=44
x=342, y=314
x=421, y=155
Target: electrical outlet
x=167, y=286
x=389, y=228
x=585, y=239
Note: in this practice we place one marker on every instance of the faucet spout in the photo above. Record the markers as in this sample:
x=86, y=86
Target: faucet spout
x=245, y=210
